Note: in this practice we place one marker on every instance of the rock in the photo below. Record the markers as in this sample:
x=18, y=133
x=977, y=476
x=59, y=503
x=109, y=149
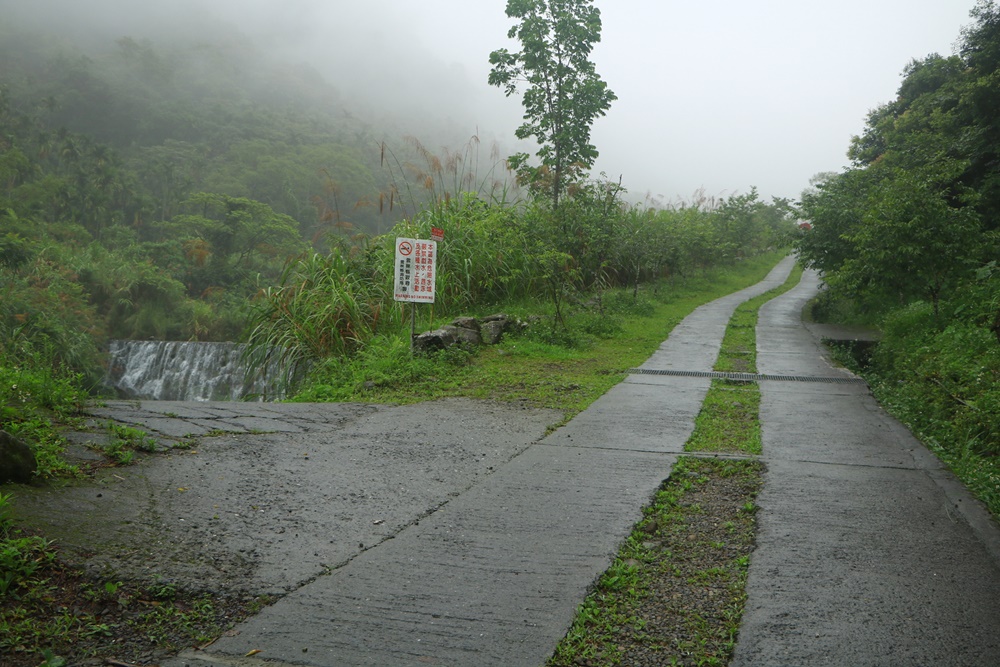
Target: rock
x=445, y=337
x=466, y=336
x=470, y=323
x=492, y=332
x=467, y=331
x=17, y=461
x=439, y=339
x=494, y=326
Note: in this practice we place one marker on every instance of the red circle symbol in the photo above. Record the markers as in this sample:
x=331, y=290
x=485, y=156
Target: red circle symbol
x=405, y=248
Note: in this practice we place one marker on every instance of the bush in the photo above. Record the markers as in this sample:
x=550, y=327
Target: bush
x=945, y=380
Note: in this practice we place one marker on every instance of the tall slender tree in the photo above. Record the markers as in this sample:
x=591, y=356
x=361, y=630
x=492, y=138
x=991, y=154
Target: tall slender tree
x=563, y=94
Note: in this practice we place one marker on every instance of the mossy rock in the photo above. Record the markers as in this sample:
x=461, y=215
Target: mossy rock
x=17, y=461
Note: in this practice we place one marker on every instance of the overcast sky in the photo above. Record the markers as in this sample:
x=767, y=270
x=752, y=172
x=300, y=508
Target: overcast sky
x=714, y=94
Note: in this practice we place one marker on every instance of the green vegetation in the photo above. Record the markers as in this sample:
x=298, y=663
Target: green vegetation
x=728, y=421
x=553, y=368
x=494, y=257
x=676, y=587
x=48, y=609
x=36, y=394
x=564, y=93
x=908, y=239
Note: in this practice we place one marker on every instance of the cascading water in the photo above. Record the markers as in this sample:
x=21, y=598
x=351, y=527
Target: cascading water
x=184, y=371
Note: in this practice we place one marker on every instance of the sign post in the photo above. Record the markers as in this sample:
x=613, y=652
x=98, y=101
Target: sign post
x=414, y=275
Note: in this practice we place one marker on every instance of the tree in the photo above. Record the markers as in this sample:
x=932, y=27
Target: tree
x=564, y=93
x=229, y=239
x=913, y=243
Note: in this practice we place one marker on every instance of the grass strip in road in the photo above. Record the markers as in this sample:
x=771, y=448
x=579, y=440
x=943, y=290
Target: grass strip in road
x=676, y=591
x=728, y=421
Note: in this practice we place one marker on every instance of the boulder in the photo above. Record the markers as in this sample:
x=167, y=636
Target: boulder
x=494, y=326
x=431, y=341
x=467, y=331
x=465, y=336
x=445, y=337
x=470, y=323
x=492, y=332
x=17, y=461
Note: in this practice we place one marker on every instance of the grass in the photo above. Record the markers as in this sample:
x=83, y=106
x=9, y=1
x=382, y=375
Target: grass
x=548, y=368
x=728, y=421
x=676, y=588
x=686, y=560
x=49, y=609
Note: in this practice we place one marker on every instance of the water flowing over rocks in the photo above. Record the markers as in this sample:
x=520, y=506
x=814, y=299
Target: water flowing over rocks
x=186, y=371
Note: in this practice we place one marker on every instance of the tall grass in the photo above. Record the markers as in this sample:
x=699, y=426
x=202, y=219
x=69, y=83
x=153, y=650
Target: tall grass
x=322, y=307
x=495, y=251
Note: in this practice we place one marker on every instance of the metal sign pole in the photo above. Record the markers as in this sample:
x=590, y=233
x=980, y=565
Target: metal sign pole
x=413, y=324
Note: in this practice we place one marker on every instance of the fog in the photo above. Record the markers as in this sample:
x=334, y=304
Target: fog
x=719, y=95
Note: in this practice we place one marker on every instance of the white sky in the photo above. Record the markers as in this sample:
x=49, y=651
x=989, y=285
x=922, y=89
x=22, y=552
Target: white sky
x=719, y=94
x=713, y=94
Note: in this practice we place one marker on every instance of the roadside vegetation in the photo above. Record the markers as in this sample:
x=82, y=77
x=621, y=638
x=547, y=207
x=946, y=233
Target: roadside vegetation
x=908, y=238
x=53, y=615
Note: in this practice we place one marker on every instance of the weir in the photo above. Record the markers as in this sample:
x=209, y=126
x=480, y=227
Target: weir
x=186, y=371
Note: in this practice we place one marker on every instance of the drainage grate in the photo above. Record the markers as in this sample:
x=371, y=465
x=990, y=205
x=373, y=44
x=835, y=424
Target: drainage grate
x=746, y=377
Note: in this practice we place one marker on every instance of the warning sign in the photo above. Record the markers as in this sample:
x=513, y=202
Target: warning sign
x=416, y=263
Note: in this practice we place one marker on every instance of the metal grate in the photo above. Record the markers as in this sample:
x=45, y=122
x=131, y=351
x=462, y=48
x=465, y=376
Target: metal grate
x=747, y=377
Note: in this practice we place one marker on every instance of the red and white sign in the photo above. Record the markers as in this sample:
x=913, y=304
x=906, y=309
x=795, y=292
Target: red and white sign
x=416, y=264
x=437, y=234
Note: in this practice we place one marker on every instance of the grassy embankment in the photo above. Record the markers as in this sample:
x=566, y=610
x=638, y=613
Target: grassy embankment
x=563, y=369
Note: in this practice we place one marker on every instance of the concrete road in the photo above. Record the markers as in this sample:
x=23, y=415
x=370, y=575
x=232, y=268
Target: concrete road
x=869, y=552
x=494, y=576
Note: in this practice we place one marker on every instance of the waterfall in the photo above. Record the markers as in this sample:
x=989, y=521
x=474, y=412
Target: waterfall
x=181, y=371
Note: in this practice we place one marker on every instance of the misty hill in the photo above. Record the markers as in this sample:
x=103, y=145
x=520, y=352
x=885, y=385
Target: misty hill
x=208, y=110
x=148, y=188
